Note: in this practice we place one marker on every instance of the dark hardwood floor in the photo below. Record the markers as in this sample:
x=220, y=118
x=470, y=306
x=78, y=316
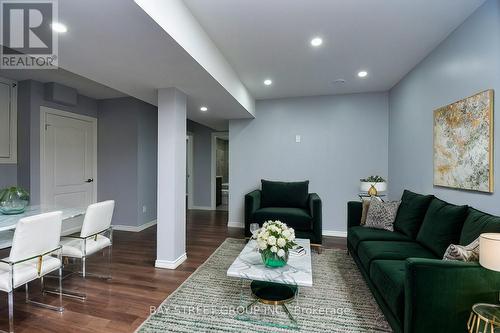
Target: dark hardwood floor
x=123, y=303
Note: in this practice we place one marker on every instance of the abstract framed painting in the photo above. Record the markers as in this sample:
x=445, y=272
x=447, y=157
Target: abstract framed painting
x=463, y=144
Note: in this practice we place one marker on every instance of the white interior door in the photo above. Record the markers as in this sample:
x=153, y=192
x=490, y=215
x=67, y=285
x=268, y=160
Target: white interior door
x=69, y=161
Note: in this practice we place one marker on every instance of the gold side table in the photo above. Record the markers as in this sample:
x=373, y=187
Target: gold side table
x=484, y=318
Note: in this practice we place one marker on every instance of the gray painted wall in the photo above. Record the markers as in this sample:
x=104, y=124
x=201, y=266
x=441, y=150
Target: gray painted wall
x=147, y=161
x=344, y=138
x=23, y=134
x=30, y=99
x=8, y=175
x=117, y=158
x=127, y=150
x=202, y=157
x=467, y=62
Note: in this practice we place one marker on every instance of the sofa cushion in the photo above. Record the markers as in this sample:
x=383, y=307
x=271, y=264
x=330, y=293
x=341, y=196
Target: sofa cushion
x=441, y=226
x=284, y=194
x=297, y=218
x=369, y=251
x=411, y=213
x=358, y=234
x=389, y=278
x=477, y=223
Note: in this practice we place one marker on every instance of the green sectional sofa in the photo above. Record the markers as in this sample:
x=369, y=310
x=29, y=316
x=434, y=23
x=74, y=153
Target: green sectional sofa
x=417, y=291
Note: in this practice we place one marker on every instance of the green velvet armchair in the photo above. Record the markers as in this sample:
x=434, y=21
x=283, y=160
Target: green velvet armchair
x=288, y=202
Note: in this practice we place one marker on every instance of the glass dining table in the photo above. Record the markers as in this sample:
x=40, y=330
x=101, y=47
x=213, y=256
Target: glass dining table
x=70, y=224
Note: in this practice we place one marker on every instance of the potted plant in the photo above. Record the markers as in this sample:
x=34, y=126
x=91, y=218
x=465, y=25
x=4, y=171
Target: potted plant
x=274, y=240
x=13, y=200
x=373, y=185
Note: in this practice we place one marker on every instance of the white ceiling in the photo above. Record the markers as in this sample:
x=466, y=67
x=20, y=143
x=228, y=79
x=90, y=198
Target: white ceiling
x=115, y=43
x=262, y=38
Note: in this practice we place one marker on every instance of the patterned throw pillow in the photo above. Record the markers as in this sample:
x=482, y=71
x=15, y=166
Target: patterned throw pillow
x=381, y=215
x=463, y=253
x=366, y=205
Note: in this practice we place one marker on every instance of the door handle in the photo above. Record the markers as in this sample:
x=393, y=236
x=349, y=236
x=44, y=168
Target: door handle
x=90, y=180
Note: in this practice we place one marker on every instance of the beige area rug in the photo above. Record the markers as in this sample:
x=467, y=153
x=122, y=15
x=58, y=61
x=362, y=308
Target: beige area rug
x=209, y=301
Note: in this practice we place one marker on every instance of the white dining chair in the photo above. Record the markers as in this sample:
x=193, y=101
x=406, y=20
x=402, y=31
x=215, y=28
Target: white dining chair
x=35, y=252
x=96, y=235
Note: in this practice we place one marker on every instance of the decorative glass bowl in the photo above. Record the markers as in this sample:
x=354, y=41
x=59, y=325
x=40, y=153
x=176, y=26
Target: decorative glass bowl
x=13, y=200
x=272, y=260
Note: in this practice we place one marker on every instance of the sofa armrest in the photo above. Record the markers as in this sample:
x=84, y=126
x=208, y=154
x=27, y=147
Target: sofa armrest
x=354, y=210
x=252, y=203
x=315, y=208
x=439, y=294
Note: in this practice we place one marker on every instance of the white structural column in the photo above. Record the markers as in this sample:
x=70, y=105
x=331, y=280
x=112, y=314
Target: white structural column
x=171, y=228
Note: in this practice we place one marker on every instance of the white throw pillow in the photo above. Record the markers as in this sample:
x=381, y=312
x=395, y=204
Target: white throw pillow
x=463, y=253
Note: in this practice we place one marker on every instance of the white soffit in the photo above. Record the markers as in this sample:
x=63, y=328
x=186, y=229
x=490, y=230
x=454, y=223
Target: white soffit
x=180, y=24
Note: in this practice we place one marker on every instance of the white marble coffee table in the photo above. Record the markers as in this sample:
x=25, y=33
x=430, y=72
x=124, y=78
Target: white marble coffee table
x=298, y=272
x=271, y=286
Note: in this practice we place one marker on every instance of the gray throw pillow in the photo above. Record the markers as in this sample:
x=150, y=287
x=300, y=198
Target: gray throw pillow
x=366, y=206
x=463, y=253
x=381, y=215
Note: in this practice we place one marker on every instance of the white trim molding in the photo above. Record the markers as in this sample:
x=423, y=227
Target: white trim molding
x=236, y=225
x=170, y=264
x=201, y=208
x=335, y=233
x=131, y=228
x=12, y=126
x=332, y=233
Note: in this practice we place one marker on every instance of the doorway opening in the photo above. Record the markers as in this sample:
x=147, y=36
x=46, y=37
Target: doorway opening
x=189, y=171
x=220, y=171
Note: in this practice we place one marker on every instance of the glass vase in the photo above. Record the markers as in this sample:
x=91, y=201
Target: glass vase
x=272, y=260
x=13, y=200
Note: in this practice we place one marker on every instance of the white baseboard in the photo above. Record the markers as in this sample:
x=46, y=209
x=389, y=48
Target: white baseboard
x=335, y=233
x=170, y=264
x=134, y=228
x=236, y=225
x=200, y=208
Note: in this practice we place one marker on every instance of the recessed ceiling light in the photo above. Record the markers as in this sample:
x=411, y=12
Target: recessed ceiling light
x=362, y=73
x=204, y=109
x=268, y=82
x=58, y=27
x=316, y=41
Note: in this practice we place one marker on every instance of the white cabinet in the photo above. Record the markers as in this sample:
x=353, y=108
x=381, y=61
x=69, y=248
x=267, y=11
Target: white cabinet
x=8, y=121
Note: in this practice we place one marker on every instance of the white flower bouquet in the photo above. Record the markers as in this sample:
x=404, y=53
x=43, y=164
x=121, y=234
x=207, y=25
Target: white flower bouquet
x=274, y=240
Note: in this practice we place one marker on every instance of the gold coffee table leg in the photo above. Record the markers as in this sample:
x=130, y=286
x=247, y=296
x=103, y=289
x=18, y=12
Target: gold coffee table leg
x=317, y=247
x=474, y=324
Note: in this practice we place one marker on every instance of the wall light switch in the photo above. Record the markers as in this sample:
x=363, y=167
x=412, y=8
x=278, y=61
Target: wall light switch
x=144, y=209
x=297, y=138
